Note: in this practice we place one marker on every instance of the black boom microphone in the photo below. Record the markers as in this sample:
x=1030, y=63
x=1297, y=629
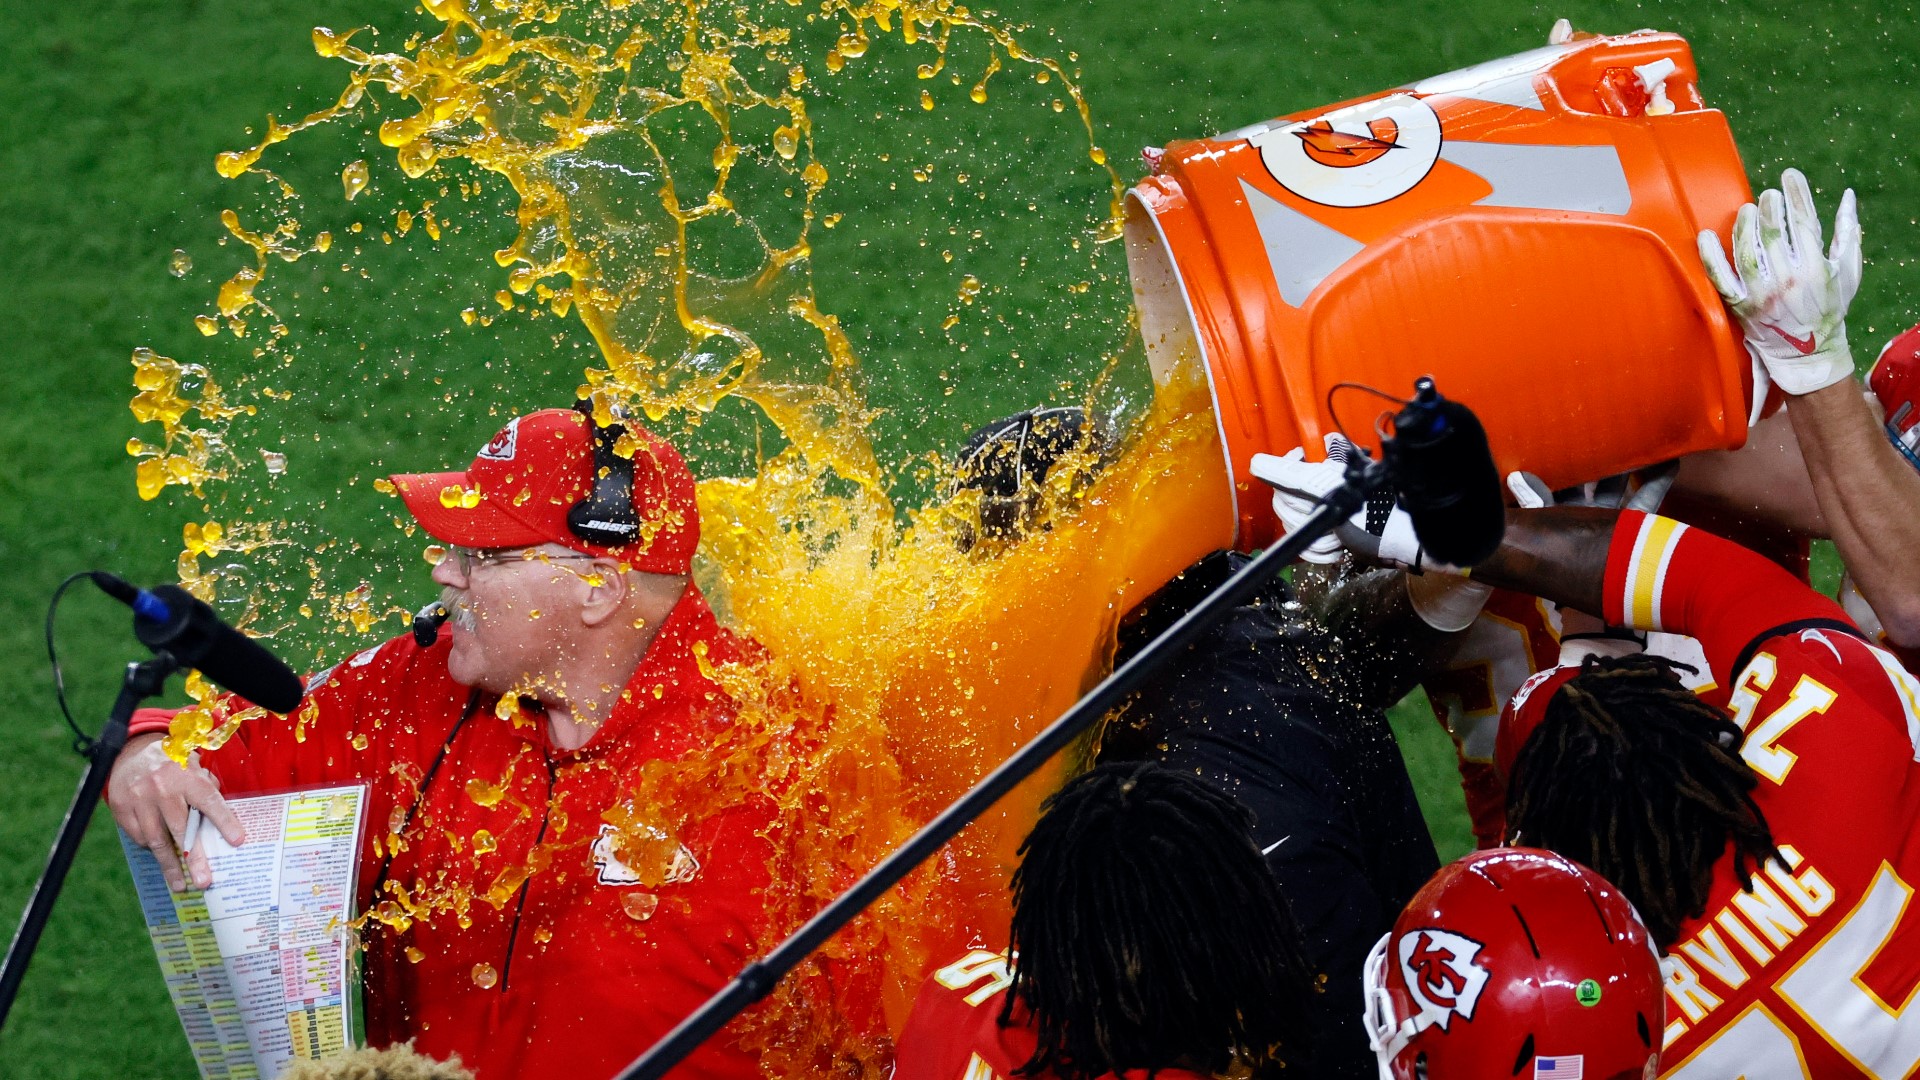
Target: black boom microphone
x=170, y=619
x=1443, y=471
x=182, y=632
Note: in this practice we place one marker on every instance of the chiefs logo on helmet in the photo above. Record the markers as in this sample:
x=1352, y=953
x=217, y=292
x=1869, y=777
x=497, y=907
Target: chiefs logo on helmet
x=1441, y=976
x=1523, y=965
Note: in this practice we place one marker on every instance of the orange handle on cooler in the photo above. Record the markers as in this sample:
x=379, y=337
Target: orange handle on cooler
x=1522, y=230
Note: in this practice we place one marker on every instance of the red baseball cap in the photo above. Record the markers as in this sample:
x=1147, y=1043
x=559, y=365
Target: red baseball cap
x=523, y=482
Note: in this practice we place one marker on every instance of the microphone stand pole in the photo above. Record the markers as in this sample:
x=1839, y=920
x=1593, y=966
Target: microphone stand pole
x=143, y=680
x=758, y=978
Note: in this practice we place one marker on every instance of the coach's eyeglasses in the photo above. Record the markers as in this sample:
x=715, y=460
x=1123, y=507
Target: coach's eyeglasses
x=467, y=560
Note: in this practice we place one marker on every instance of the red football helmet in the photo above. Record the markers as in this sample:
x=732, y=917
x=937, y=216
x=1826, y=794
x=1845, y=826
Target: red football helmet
x=1895, y=381
x=1515, y=962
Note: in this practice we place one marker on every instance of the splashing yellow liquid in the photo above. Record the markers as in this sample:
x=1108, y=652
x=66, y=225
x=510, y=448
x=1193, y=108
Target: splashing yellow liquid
x=905, y=666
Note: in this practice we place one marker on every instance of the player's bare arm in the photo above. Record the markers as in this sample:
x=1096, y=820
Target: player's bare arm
x=1765, y=480
x=1558, y=552
x=1386, y=646
x=1867, y=493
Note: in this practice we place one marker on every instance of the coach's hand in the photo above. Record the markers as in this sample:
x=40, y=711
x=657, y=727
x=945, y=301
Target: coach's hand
x=1790, y=299
x=150, y=794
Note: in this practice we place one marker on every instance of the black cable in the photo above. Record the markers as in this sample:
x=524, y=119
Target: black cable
x=1377, y=392
x=82, y=745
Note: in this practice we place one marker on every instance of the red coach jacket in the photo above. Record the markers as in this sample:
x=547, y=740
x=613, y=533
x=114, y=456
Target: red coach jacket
x=509, y=929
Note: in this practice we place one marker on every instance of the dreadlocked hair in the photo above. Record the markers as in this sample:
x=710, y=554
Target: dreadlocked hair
x=1148, y=932
x=1633, y=775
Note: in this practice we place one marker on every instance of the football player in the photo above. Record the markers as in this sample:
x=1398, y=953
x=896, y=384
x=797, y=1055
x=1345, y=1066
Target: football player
x=1149, y=935
x=1771, y=851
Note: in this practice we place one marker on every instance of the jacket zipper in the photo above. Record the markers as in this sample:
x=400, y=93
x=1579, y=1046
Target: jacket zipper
x=520, y=901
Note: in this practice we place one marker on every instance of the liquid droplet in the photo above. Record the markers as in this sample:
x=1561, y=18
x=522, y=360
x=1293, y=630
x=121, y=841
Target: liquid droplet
x=353, y=178
x=483, y=842
x=640, y=906
x=484, y=976
x=276, y=462
x=485, y=794
x=180, y=264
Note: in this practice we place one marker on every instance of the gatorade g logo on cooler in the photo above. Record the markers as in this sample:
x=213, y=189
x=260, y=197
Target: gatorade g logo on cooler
x=1341, y=150
x=1361, y=155
x=1441, y=976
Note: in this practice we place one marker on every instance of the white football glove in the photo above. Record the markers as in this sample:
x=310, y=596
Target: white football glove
x=1299, y=485
x=1387, y=537
x=1611, y=493
x=1790, y=299
x=1529, y=491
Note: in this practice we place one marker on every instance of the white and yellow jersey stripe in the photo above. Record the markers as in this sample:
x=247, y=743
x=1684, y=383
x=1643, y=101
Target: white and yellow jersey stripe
x=1644, y=585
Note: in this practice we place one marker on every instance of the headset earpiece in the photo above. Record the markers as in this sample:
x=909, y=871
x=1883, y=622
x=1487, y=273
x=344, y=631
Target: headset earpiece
x=606, y=516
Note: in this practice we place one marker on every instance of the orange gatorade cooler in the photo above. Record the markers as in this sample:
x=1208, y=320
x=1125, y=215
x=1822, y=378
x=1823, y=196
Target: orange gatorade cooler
x=1522, y=230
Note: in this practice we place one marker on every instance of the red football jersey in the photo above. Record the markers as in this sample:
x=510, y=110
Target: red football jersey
x=1517, y=635
x=954, y=1031
x=1814, y=972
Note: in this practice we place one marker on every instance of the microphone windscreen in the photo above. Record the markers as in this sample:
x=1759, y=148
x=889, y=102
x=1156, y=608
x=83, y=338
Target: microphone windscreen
x=1448, y=482
x=196, y=637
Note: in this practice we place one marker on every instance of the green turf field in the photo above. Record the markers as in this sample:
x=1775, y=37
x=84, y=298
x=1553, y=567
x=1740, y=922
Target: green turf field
x=116, y=109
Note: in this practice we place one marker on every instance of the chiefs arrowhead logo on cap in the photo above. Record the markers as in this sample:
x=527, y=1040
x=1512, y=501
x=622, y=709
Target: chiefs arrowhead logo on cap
x=503, y=445
x=1441, y=976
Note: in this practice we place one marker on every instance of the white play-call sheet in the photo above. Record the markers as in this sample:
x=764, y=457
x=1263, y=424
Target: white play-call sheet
x=260, y=966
